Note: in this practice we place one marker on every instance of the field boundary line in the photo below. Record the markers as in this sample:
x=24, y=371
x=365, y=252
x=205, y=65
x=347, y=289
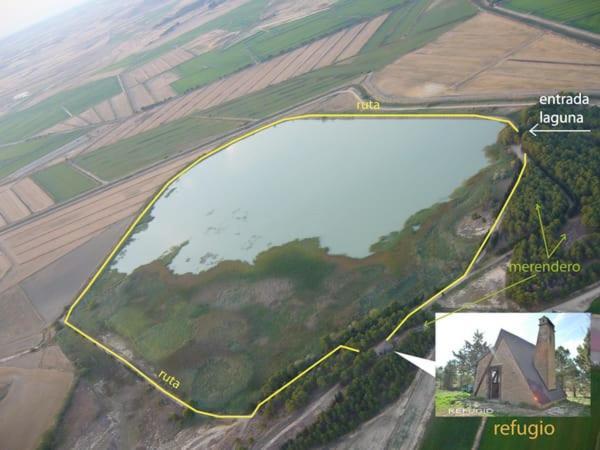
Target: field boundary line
x=222, y=147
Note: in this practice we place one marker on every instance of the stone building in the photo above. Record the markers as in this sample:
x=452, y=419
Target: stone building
x=516, y=371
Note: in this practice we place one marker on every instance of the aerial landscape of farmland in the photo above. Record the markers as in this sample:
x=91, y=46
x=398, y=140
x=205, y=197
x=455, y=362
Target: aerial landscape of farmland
x=221, y=219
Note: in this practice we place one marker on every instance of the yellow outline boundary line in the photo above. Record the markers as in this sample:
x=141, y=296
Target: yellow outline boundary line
x=472, y=263
x=482, y=299
x=220, y=148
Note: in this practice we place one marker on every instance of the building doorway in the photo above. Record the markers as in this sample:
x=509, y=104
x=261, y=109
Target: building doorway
x=495, y=379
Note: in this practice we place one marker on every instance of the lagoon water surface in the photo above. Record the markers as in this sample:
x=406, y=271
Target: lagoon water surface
x=347, y=182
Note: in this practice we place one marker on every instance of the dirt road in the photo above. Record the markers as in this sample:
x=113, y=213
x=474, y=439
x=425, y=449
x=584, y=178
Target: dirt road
x=400, y=426
x=580, y=301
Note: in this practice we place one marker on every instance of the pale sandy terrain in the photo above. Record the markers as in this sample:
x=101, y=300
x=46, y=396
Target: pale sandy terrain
x=155, y=67
x=105, y=111
x=289, y=10
x=11, y=207
x=21, y=199
x=18, y=320
x=361, y=38
x=160, y=86
x=51, y=60
x=24, y=417
x=121, y=106
x=196, y=18
x=516, y=58
x=90, y=116
x=339, y=102
x=38, y=243
x=252, y=79
x=5, y=265
x=491, y=280
x=140, y=97
x=68, y=125
x=550, y=63
x=32, y=195
x=208, y=41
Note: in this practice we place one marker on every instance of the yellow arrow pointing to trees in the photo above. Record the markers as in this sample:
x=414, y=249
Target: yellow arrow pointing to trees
x=486, y=297
x=563, y=237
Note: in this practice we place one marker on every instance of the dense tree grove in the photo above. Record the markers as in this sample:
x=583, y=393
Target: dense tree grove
x=571, y=159
x=563, y=177
x=343, y=367
x=380, y=382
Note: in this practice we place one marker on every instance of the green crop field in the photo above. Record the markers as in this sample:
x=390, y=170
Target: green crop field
x=239, y=19
x=583, y=14
x=15, y=156
x=444, y=434
x=63, y=182
x=263, y=45
x=49, y=112
x=387, y=48
x=134, y=153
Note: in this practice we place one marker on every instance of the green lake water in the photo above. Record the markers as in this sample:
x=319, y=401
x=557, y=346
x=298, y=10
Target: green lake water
x=347, y=182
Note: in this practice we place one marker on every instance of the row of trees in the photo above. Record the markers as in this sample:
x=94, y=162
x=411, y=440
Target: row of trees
x=381, y=381
x=344, y=366
x=564, y=179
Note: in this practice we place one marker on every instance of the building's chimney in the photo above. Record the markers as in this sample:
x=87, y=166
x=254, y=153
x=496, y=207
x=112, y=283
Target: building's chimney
x=544, y=353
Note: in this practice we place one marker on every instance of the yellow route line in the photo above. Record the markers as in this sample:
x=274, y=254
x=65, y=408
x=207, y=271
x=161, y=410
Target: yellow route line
x=218, y=149
x=473, y=260
x=485, y=297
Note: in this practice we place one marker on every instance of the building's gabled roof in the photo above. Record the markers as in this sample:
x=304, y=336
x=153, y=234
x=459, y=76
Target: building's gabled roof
x=523, y=351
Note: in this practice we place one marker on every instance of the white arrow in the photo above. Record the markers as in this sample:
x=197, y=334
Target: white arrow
x=424, y=364
x=534, y=130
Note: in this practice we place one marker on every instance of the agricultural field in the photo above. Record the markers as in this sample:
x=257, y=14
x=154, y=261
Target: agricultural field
x=240, y=15
x=298, y=75
x=21, y=199
x=583, y=14
x=63, y=182
x=311, y=57
x=129, y=155
x=310, y=85
x=517, y=59
x=15, y=156
x=26, y=123
x=64, y=230
x=443, y=434
x=264, y=45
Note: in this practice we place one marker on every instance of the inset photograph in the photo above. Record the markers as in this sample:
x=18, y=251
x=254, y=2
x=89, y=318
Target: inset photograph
x=513, y=364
